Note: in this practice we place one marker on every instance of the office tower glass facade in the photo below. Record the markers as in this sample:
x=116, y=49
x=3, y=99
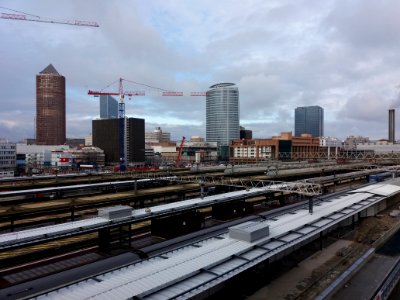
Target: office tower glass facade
x=309, y=119
x=222, y=113
x=108, y=107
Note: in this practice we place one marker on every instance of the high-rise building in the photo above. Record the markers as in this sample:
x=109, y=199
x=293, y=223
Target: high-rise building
x=50, y=107
x=108, y=107
x=222, y=113
x=105, y=134
x=310, y=120
x=392, y=126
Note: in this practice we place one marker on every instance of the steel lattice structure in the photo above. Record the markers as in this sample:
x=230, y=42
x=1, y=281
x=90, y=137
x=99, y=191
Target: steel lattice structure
x=340, y=155
x=297, y=187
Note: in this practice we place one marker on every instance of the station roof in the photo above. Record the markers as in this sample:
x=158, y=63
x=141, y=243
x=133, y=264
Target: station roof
x=192, y=269
x=10, y=239
x=70, y=187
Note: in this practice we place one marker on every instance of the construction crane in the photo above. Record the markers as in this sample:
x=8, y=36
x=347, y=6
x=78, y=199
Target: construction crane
x=121, y=110
x=121, y=117
x=34, y=18
x=178, y=159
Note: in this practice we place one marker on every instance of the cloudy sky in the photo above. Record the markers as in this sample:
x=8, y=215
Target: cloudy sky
x=341, y=55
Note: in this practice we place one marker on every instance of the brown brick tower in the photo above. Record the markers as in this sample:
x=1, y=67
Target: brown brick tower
x=50, y=107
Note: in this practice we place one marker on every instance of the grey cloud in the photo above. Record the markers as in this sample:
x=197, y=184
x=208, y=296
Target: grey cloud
x=365, y=23
x=367, y=107
x=281, y=54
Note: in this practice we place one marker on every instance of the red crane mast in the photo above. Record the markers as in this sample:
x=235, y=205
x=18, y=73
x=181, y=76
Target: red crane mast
x=180, y=152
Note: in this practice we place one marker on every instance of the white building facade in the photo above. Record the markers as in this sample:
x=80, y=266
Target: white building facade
x=7, y=158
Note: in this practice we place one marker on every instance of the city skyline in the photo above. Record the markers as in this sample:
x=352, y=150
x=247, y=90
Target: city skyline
x=280, y=54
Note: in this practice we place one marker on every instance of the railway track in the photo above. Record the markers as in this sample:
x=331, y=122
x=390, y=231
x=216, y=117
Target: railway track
x=29, y=212
x=143, y=242
x=147, y=245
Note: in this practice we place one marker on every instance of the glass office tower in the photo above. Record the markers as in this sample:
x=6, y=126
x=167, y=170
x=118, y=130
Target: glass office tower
x=108, y=107
x=309, y=119
x=222, y=113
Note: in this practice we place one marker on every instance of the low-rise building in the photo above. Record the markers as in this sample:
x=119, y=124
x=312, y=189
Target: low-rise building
x=165, y=148
x=88, y=156
x=350, y=143
x=284, y=146
x=157, y=136
x=330, y=146
x=7, y=158
x=196, y=138
x=379, y=147
x=89, y=140
x=149, y=155
x=61, y=159
x=34, y=159
x=75, y=142
x=362, y=145
x=191, y=152
x=245, y=133
x=162, y=152
x=198, y=152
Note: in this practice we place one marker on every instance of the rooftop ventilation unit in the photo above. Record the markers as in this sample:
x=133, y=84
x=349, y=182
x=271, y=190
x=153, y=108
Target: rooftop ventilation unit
x=115, y=212
x=249, y=231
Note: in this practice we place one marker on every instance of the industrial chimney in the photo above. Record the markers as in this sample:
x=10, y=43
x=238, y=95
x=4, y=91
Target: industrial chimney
x=391, y=126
